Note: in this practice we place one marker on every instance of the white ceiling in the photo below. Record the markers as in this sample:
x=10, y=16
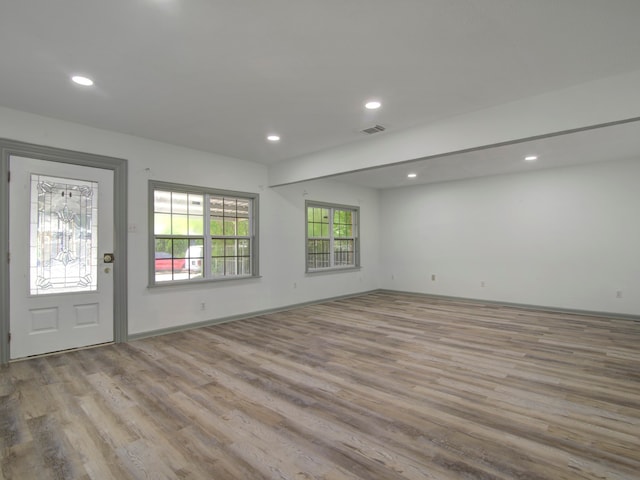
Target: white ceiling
x=615, y=142
x=219, y=75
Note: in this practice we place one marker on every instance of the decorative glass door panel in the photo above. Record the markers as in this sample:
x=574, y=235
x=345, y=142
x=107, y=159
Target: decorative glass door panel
x=64, y=232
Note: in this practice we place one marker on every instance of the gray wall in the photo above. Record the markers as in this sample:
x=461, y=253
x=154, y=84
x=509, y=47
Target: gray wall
x=566, y=238
x=282, y=228
x=561, y=238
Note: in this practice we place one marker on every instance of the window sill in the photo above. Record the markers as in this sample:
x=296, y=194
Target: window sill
x=202, y=281
x=332, y=270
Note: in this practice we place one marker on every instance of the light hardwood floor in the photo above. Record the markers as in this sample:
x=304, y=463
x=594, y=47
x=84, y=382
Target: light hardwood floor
x=381, y=386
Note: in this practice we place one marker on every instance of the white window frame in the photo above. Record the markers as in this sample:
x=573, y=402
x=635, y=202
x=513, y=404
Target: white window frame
x=207, y=235
x=355, y=237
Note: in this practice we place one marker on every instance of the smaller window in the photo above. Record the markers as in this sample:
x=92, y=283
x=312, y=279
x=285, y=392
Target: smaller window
x=332, y=237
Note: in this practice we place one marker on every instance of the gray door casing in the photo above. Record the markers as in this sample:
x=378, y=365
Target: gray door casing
x=119, y=168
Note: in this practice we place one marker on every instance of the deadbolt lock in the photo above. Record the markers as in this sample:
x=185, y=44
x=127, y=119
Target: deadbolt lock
x=107, y=258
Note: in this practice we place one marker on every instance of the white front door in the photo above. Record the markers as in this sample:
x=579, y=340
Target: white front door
x=60, y=227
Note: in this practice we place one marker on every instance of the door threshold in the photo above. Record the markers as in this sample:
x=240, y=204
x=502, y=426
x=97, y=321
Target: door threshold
x=59, y=352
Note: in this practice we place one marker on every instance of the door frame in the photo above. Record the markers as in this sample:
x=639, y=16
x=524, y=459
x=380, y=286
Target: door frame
x=52, y=154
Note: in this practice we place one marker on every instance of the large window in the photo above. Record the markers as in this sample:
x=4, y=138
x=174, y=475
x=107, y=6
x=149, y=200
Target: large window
x=201, y=234
x=332, y=237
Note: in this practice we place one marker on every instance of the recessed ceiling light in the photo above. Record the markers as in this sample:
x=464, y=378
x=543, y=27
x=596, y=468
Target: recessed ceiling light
x=84, y=81
x=412, y=175
x=531, y=158
x=372, y=105
x=273, y=138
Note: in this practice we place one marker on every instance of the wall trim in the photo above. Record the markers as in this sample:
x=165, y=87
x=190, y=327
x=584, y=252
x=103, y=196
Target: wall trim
x=541, y=308
x=241, y=316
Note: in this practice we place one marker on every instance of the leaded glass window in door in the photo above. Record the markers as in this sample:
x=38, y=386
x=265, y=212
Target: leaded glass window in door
x=64, y=233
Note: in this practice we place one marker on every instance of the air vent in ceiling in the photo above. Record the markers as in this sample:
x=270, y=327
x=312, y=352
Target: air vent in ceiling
x=374, y=129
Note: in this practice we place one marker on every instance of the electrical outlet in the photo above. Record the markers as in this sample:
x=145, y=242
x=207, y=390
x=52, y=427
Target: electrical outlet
x=619, y=294
x=483, y=284
x=203, y=306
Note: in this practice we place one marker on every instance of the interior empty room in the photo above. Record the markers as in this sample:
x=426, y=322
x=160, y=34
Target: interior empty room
x=320, y=239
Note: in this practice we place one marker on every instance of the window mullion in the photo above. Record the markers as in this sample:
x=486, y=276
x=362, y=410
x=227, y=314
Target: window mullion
x=250, y=236
x=331, y=239
x=206, y=229
x=354, y=219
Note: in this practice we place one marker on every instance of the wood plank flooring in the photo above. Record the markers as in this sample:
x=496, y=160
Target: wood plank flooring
x=381, y=386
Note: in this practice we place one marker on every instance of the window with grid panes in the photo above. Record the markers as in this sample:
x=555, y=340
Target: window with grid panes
x=331, y=237
x=202, y=234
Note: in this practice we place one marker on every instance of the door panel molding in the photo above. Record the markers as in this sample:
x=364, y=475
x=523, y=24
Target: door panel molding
x=40, y=152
